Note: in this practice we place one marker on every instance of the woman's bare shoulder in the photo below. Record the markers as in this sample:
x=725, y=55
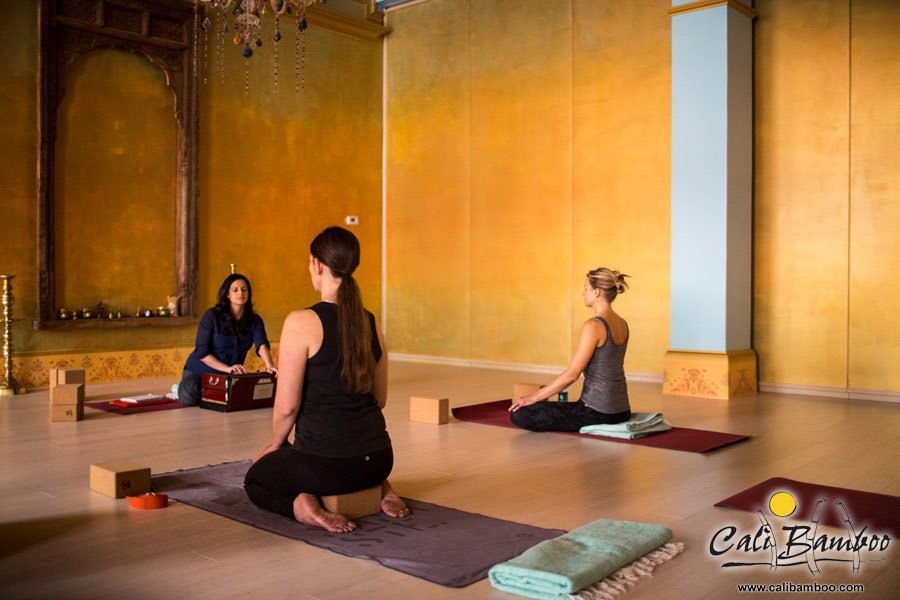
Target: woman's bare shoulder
x=301, y=319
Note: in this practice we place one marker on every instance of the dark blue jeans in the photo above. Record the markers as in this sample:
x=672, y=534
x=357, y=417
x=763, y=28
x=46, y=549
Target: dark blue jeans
x=190, y=388
x=562, y=416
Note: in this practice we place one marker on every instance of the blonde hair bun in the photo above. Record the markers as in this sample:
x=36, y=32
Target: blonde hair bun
x=609, y=281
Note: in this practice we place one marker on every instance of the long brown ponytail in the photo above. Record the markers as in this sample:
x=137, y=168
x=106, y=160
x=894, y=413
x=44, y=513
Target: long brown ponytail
x=338, y=249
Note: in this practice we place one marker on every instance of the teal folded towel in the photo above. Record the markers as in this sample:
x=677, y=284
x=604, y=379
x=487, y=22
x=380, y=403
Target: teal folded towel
x=575, y=560
x=640, y=425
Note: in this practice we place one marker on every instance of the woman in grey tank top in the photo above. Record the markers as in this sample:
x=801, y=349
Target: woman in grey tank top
x=600, y=357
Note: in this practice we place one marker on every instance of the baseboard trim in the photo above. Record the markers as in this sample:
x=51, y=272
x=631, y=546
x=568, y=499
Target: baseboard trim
x=780, y=388
x=831, y=392
x=505, y=366
x=481, y=364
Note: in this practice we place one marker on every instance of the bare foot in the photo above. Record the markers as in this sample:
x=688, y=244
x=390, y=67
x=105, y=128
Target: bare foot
x=307, y=509
x=391, y=504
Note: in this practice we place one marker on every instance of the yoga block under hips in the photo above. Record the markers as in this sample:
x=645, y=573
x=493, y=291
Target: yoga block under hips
x=66, y=412
x=355, y=505
x=429, y=410
x=120, y=478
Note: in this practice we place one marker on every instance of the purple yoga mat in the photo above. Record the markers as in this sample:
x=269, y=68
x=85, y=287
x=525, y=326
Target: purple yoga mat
x=443, y=545
x=130, y=410
x=677, y=438
x=879, y=511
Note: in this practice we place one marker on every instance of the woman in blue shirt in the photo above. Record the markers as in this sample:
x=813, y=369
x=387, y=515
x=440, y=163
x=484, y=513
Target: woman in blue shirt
x=225, y=335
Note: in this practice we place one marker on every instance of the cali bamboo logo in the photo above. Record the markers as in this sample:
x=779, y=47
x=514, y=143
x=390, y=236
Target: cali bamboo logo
x=797, y=545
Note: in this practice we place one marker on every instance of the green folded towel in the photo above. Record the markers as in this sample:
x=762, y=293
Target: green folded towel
x=573, y=561
x=639, y=425
x=609, y=431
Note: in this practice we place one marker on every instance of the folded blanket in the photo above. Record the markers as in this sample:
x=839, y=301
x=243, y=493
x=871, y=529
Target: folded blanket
x=575, y=560
x=640, y=425
x=626, y=435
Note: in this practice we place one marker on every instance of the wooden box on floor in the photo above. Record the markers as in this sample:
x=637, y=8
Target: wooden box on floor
x=67, y=402
x=64, y=375
x=435, y=411
x=523, y=389
x=358, y=504
x=66, y=412
x=67, y=393
x=121, y=478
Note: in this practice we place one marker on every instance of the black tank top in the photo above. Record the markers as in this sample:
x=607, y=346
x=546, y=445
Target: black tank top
x=333, y=421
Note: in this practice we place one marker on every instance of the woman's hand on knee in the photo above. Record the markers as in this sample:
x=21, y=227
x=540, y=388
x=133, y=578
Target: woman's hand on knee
x=523, y=401
x=267, y=450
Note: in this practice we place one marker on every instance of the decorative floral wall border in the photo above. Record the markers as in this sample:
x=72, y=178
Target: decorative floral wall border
x=34, y=371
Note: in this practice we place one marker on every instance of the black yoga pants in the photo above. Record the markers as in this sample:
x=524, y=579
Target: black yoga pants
x=276, y=479
x=562, y=416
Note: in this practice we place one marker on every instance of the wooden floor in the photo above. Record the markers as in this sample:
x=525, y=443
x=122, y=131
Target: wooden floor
x=58, y=539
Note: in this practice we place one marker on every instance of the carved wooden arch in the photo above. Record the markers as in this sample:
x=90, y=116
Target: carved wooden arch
x=162, y=32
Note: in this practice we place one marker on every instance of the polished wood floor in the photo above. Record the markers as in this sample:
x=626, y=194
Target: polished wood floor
x=58, y=539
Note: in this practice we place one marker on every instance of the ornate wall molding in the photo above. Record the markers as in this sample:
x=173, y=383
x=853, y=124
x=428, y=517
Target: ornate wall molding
x=159, y=30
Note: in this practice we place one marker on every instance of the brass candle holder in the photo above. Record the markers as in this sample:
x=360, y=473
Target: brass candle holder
x=7, y=383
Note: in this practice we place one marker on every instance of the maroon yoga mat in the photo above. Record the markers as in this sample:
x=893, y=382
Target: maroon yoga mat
x=677, y=438
x=879, y=511
x=130, y=410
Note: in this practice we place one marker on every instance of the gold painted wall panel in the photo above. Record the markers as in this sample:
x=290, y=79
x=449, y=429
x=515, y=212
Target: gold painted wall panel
x=274, y=170
x=521, y=199
x=621, y=207
x=528, y=189
x=428, y=237
x=278, y=168
x=18, y=96
x=114, y=211
x=801, y=179
x=874, y=344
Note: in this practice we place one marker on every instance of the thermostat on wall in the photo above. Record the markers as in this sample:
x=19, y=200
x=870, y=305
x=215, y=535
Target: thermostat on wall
x=351, y=220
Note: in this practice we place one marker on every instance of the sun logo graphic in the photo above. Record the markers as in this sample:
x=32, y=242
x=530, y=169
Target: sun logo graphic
x=797, y=544
x=782, y=504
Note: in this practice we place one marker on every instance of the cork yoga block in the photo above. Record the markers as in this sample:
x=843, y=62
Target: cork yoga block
x=63, y=375
x=435, y=411
x=355, y=505
x=67, y=394
x=120, y=478
x=60, y=413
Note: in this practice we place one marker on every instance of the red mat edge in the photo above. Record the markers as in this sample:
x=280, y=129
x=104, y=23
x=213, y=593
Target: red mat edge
x=738, y=437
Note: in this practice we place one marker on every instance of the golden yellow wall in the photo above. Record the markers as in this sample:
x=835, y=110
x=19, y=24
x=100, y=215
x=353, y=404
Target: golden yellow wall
x=529, y=142
x=800, y=250
x=874, y=336
x=428, y=182
x=278, y=168
x=826, y=205
x=274, y=170
x=517, y=161
x=621, y=152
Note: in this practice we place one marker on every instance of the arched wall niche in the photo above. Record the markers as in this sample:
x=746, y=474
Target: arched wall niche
x=162, y=32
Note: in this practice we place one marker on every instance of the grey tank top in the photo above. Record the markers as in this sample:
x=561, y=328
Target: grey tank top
x=605, y=389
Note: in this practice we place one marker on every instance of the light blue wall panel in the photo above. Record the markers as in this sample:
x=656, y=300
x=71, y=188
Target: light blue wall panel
x=699, y=180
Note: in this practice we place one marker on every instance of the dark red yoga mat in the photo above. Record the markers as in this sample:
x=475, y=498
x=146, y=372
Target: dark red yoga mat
x=677, y=438
x=108, y=406
x=879, y=511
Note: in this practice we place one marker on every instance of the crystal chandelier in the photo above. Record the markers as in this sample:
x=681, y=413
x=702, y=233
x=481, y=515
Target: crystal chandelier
x=242, y=22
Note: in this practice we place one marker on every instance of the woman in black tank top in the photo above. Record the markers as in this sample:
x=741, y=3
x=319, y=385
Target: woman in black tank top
x=600, y=356
x=332, y=387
